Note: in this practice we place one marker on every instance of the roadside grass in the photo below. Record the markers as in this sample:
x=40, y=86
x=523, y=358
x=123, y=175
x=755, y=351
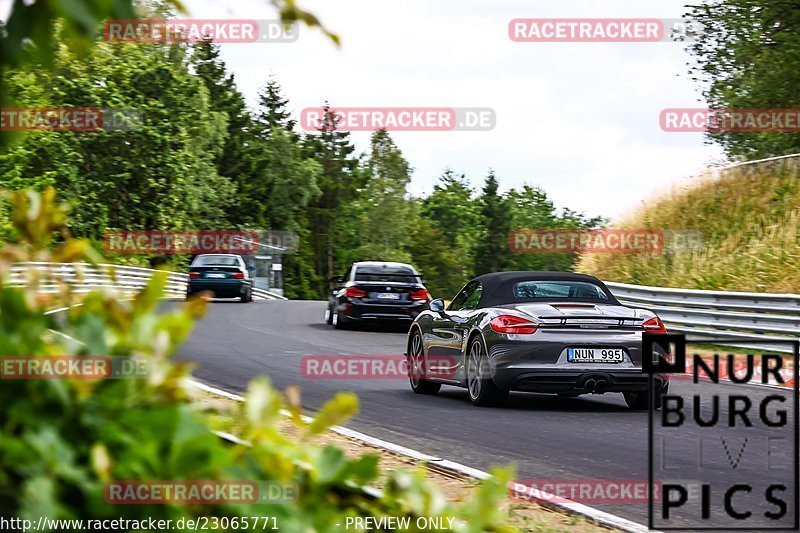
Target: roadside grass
x=749, y=219
x=525, y=516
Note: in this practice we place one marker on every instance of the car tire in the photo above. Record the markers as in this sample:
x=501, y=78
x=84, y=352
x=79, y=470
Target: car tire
x=328, y=316
x=248, y=296
x=416, y=353
x=481, y=389
x=638, y=401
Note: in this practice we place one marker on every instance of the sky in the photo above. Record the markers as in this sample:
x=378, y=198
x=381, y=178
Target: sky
x=579, y=120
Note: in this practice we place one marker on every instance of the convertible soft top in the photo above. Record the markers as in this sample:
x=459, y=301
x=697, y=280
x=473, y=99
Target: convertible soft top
x=498, y=287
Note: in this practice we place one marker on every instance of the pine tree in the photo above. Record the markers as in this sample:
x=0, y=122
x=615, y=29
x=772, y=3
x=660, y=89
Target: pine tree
x=273, y=112
x=491, y=252
x=384, y=209
x=241, y=154
x=338, y=182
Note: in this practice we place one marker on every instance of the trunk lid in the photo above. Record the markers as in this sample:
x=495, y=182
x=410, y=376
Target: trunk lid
x=215, y=271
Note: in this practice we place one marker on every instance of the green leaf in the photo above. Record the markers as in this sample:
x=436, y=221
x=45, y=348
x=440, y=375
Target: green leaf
x=338, y=410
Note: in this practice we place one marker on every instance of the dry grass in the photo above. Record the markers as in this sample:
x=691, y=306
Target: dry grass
x=748, y=218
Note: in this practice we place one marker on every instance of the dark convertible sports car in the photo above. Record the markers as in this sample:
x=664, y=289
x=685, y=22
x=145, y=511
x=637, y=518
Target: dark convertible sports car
x=553, y=332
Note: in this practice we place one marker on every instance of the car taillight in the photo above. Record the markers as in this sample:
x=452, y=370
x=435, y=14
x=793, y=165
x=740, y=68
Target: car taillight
x=194, y=274
x=420, y=294
x=512, y=324
x=354, y=292
x=237, y=275
x=654, y=325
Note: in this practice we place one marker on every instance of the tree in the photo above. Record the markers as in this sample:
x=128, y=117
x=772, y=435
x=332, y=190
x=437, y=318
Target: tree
x=452, y=207
x=339, y=182
x=157, y=174
x=384, y=209
x=454, y=213
x=441, y=265
x=746, y=56
x=273, y=112
x=531, y=209
x=29, y=37
x=241, y=155
x=492, y=249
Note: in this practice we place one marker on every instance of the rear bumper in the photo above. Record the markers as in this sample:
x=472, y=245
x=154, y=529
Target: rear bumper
x=539, y=362
x=576, y=381
x=405, y=312
x=223, y=288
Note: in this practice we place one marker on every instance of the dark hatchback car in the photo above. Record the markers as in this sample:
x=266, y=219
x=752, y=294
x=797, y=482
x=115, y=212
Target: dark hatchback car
x=223, y=275
x=373, y=292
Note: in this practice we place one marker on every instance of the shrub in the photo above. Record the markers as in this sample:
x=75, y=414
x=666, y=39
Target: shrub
x=61, y=441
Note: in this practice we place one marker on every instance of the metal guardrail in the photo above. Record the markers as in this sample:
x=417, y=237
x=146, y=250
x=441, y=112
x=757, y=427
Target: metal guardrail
x=735, y=316
x=83, y=277
x=267, y=295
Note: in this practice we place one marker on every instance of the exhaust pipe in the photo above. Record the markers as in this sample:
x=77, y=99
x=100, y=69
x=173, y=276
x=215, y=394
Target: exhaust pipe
x=601, y=385
x=589, y=384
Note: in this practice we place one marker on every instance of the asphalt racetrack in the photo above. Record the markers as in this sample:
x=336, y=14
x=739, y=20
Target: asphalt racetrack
x=592, y=437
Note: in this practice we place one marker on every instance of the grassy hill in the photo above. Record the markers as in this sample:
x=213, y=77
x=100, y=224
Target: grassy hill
x=749, y=219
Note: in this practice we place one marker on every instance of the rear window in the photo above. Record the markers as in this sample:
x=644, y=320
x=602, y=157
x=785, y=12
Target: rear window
x=216, y=260
x=531, y=290
x=389, y=273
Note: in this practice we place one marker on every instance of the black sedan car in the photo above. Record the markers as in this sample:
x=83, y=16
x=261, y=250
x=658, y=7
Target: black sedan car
x=551, y=332
x=372, y=292
x=220, y=275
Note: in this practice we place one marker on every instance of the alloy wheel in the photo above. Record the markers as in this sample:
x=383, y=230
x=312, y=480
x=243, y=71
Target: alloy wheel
x=474, y=369
x=416, y=356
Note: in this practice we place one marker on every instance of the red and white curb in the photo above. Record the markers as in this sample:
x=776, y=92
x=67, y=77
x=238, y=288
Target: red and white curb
x=544, y=499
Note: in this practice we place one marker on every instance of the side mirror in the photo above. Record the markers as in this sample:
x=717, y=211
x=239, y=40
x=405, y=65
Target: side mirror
x=437, y=306
x=336, y=279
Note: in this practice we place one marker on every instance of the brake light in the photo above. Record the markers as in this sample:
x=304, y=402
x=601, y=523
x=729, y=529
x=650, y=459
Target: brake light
x=194, y=274
x=237, y=275
x=420, y=294
x=654, y=325
x=354, y=292
x=512, y=324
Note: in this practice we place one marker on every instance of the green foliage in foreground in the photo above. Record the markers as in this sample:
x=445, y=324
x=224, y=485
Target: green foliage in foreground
x=61, y=441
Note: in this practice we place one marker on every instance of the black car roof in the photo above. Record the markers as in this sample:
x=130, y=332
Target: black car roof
x=498, y=286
